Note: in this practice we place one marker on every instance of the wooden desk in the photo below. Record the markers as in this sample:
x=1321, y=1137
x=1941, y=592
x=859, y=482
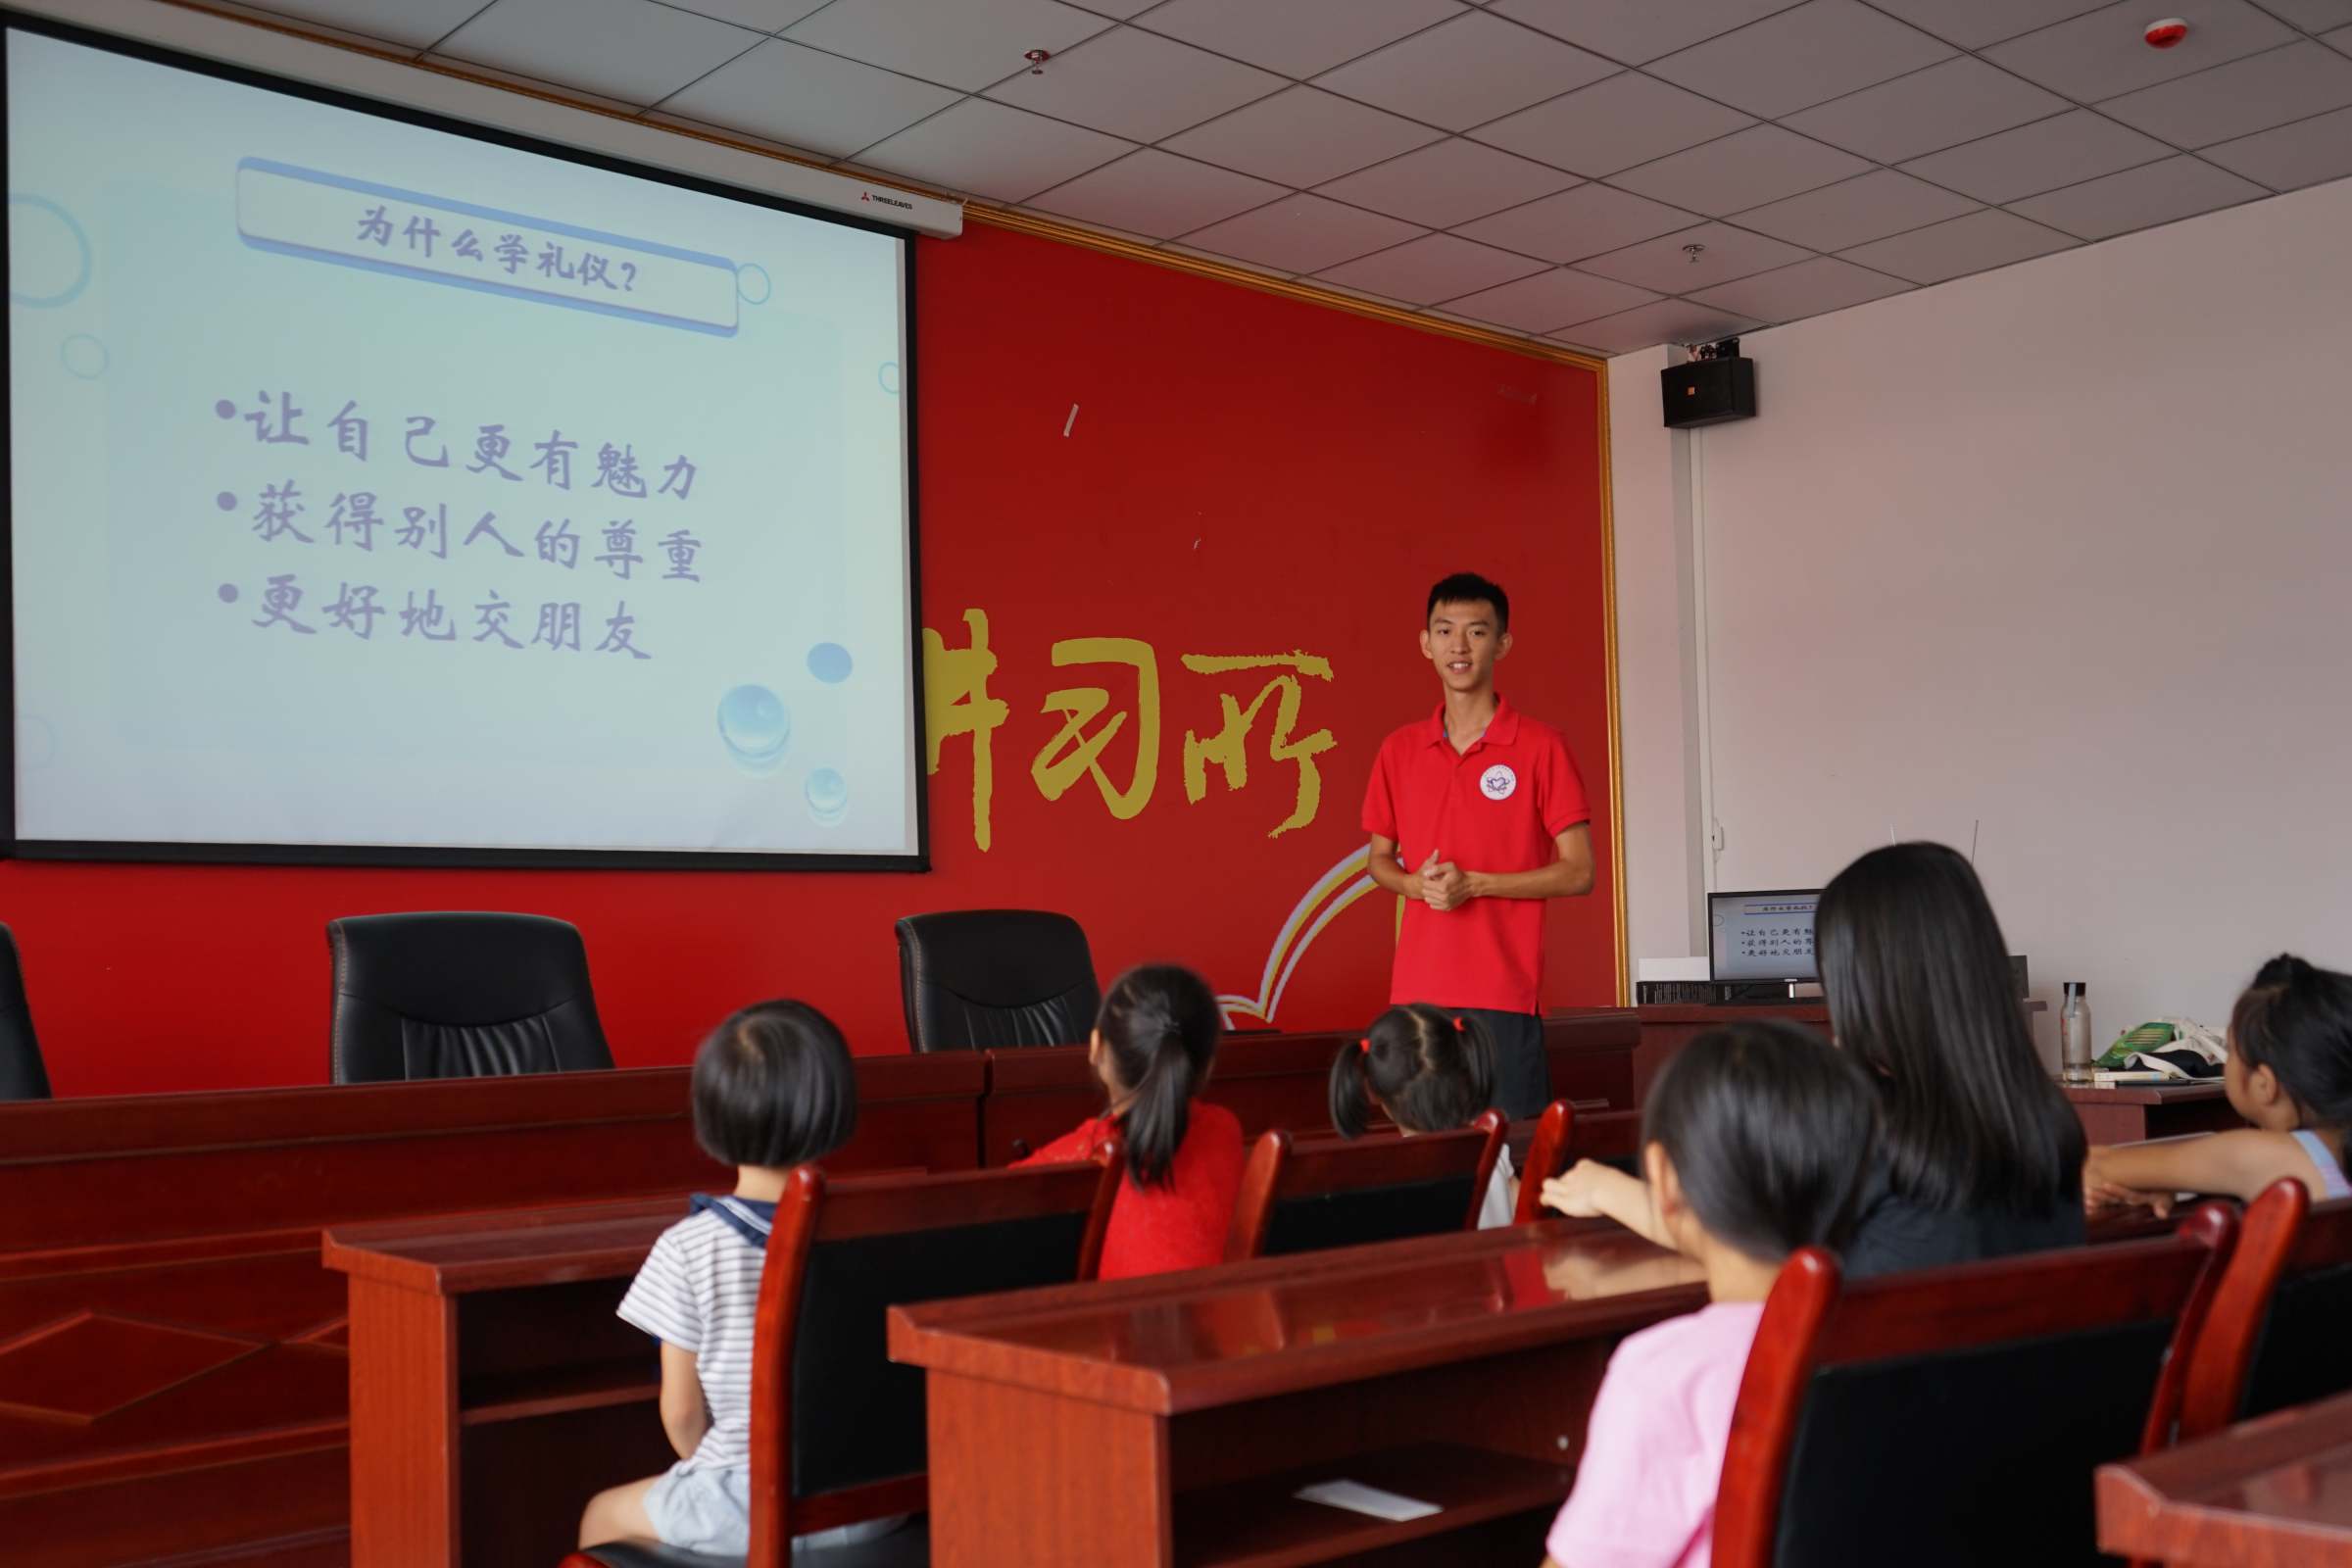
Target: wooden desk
x=1165, y=1421
x=1036, y=1093
x=493, y=1391
x=2265, y=1493
x=172, y=1373
x=2137, y=1113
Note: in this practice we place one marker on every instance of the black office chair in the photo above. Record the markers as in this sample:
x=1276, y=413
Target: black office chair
x=461, y=995
x=21, y=1074
x=978, y=979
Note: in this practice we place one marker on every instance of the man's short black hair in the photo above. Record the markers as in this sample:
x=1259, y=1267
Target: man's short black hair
x=773, y=1086
x=1467, y=587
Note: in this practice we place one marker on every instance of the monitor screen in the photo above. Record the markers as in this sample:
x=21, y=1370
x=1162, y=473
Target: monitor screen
x=1761, y=936
x=382, y=487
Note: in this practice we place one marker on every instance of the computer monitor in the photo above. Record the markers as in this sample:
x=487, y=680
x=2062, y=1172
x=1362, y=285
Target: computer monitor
x=1762, y=936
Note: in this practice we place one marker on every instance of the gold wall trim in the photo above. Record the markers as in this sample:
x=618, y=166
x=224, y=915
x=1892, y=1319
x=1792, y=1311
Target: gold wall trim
x=1072, y=234
x=1608, y=622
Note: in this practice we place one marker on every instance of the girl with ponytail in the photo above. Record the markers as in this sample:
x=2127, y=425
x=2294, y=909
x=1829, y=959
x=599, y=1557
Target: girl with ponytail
x=1428, y=1070
x=1154, y=1041
x=2289, y=1074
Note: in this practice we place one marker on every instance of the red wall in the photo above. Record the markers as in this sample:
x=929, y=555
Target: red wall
x=1246, y=475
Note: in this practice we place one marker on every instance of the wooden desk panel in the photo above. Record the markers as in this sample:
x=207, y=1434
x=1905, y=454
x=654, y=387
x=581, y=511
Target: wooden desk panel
x=2137, y=1113
x=167, y=1247
x=1168, y=1420
x=2269, y=1493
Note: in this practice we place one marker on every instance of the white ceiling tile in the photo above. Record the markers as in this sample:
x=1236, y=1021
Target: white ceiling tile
x=1821, y=50
x=1121, y=9
x=1974, y=23
x=1627, y=120
x=1466, y=72
x=1425, y=271
x=744, y=138
x=1956, y=101
x=1549, y=300
x=1156, y=194
x=417, y=23
x=2340, y=40
x=2312, y=15
x=1666, y=266
x=1301, y=137
x=2241, y=97
x=2140, y=198
x=1448, y=182
x=1809, y=288
x=1761, y=164
x=1635, y=31
x=1302, y=233
x=967, y=43
x=807, y=98
x=2102, y=54
x=2294, y=156
x=2060, y=151
x=1136, y=85
x=1973, y=244
x=1297, y=37
x=768, y=16
x=1855, y=211
x=1579, y=223
x=1666, y=322
x=1006, y=154
x=532, y=84
x=632, y=50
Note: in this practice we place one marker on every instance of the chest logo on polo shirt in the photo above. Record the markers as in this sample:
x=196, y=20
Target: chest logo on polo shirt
x=1498, y=782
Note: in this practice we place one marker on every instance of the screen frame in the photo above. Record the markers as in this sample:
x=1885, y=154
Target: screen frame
x=15, y=847
x=1760, y=893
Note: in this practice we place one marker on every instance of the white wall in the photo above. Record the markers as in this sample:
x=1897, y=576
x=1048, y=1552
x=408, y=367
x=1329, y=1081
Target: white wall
x=2066, y=548
x=1657, y=676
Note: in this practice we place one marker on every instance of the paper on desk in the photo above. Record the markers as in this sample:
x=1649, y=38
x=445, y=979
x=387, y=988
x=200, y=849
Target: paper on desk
x=1356, y=1497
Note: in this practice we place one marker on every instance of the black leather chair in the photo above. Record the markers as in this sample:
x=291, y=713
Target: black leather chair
x=980, y=979
x=461, y=995
x=21, y=1074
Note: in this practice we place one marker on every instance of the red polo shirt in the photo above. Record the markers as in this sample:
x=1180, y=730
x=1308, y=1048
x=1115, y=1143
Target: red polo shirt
x=1498, y=807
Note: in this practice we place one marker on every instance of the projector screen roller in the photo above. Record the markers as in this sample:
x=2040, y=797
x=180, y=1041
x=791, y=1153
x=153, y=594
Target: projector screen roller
x=385, y=490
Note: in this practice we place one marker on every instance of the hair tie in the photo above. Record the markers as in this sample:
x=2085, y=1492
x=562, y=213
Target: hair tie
x=1458, y=1027
x=1364, y=1046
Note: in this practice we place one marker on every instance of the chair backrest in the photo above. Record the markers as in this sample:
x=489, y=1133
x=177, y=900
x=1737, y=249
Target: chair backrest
x=1306, y=1195
x=1954, y=1415
x=838, y=1431
x=460, y=996
x=2275, y=1335
x=1565, y=1135
x=979, y=979
x=22, y=1073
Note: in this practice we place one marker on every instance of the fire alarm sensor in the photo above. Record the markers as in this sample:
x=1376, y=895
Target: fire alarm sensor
x=2165, y=34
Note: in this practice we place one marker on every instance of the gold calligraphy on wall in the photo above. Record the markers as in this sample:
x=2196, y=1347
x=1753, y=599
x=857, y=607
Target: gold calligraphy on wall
x=959, y=702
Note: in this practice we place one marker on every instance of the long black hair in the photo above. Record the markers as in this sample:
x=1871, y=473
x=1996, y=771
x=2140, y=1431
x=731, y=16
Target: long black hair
x=1430, y=1069
x=1764, y=1123
x=1920, y=992
x=772, y=1086
x=1159, y=1022
x=2296, y=1019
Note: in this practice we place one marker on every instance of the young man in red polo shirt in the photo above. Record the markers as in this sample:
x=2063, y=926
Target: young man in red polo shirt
x=1477, y=815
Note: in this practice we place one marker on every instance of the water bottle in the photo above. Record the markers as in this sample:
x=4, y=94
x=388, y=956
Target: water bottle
x=2074, y=1036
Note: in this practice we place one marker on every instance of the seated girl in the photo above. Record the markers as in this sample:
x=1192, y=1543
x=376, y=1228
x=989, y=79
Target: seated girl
x=1154, y=1041
x=2289, y=1074
x=1429, y=1071
x=1749, y=1143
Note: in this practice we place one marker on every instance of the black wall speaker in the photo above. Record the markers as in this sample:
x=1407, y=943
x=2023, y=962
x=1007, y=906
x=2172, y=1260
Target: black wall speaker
x=1708, y=391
